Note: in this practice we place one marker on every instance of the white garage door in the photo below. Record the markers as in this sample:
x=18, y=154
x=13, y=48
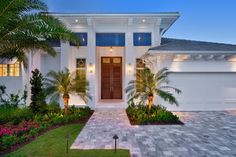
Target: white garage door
x=204, y=91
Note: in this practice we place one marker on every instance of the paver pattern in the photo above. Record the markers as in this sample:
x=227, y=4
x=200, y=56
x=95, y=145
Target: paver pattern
x=203, y=134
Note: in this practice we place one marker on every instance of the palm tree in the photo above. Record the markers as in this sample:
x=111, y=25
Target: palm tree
x=148, y=84
x=63, y=83
x=25, y=25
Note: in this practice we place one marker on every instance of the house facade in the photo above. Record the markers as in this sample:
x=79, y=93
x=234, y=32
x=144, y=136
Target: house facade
x=114, y=47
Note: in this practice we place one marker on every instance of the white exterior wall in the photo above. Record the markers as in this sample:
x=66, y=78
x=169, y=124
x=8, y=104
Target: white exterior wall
x=93, y=55
x=206, y=85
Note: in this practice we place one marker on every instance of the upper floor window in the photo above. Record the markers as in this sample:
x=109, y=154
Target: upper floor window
x=142, y=39
x=55, y=43
x=110, y=39
x=10, y=69
x=83, y=39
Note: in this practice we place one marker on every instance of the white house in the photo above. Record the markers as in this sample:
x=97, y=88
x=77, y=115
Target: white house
x=110, y=53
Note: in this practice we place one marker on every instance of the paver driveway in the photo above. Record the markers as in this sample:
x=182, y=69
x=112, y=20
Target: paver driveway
x=204, y=134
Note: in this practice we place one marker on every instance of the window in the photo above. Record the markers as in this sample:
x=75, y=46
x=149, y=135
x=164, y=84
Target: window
x=14, y=69
x=54, y=43
x=83, y=39
x=142, y=39
x=81, y=67
x=10, y=69
x=110, y=39
x=3, y=69
x=139, y=69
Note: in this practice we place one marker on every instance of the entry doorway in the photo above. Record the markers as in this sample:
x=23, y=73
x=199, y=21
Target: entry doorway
x=111, y=77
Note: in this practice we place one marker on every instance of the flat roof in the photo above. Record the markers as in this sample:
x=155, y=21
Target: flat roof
x=114, y=13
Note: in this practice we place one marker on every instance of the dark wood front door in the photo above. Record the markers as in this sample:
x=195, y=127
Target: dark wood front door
x=111, y=77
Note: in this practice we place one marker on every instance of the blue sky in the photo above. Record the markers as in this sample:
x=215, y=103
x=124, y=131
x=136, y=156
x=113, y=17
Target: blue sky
x=207, y=20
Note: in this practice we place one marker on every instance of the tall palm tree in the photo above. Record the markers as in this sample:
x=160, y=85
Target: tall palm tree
x=63, y=83
x=24, y=26
x=148, y=84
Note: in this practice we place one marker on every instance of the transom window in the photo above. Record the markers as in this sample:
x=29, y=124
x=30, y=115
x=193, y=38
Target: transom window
x=10, y=69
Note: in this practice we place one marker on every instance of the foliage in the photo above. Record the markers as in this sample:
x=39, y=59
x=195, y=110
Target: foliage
x=13, y=100
x=14, y=115
x=141, y=115
x=8, y=140
x=151, y=84
x=53, y=144
x=53, y=107
x=24, y=27
x=63, y=83
x=38, y=104
x=23, y=124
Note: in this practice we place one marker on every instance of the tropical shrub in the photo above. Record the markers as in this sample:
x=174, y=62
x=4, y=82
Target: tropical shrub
x=53, y=107
x=141, y=114
x=8, y=140
x=14, y=115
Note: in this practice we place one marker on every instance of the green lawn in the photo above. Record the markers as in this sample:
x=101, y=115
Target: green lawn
x=53, y=144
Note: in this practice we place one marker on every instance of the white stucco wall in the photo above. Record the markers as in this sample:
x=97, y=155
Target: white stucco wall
x=49, y=63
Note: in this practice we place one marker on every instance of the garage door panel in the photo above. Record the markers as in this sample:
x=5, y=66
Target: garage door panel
x=204, y=91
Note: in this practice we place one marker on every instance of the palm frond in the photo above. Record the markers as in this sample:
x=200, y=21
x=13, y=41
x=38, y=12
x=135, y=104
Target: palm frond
x=147, y=83
x=167, y=97
x=23, y=27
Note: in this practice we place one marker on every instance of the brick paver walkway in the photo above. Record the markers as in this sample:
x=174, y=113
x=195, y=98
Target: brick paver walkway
x=204, y=134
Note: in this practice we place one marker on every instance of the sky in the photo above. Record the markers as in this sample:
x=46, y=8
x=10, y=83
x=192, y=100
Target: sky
x=205, y=20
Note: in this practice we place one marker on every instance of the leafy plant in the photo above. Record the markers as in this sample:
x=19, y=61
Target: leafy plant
x=13, y=100
x=24, y=27
x=33, y=132
x=38, y=104
x=22, y=139
x=142, y=115
x=8, y=141
x=63, y=83
x=53, y=107
x=148, y=85
x=14, y=115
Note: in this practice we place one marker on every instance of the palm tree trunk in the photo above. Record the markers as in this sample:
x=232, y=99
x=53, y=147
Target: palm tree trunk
x=66, y=101
x=150, y=102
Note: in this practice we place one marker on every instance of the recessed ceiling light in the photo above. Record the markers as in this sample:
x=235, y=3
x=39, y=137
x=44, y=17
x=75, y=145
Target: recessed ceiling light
x=76, y=20
x=143, y=20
